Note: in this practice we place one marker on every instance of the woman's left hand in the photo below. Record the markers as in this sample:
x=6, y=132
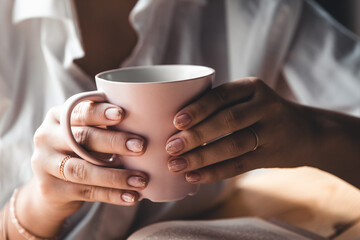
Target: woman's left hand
x=237, y=127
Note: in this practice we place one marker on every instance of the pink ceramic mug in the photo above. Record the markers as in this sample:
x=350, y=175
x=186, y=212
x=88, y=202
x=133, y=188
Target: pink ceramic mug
x=150, y=96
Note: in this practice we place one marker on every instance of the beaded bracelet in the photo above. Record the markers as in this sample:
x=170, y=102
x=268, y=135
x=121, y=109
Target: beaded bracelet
x=19, y=227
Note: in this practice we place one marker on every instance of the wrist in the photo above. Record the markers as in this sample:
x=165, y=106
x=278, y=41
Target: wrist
x=36, y=216
x=336, y=147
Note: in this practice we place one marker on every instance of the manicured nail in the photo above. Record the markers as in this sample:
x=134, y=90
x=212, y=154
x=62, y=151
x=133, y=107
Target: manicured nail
x=128, y=197
x=177, y=165
x=182, y=120
x=192, y=177
x=113, y=114
x=175, y=146
x=135, y=145
x=136, y=181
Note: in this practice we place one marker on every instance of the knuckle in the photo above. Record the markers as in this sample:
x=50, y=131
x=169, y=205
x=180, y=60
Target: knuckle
x=276, y=106
x=50, y=113
x=196, y=136
x=110, y=195
x=78, y=171
x=40, y=137
x=82, y=135
x=229, y=119
x=258, y=85
x=221, y=93
x=82, y=111
x=93, y=193
x=115, y=140
x=53, y=111
x=197, y=108
x=115, y=179
x=88, y=193
x=201, y=158
x=256, y=81
x=198, y=160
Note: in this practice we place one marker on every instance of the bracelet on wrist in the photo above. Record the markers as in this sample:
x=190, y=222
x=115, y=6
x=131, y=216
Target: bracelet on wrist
x=19, y=227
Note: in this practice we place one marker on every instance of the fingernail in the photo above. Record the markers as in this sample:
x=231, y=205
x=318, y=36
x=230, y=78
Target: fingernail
x=136, y=181
x=182, y=120
x=128, y=197
x=175, y=146
x=177, y=165
x=135, y=145
x=192, y=177
x=113, y=113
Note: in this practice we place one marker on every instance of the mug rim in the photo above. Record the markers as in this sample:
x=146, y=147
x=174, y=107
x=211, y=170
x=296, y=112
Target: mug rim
x=100, y=78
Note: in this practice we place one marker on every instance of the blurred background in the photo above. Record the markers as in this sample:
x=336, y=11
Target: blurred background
x=346, y=12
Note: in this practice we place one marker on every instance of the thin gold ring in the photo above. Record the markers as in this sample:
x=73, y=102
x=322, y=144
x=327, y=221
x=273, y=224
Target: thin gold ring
x=256, y=138
x=62, y=166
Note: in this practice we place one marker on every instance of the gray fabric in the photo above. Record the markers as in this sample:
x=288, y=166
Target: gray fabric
x=229, y=229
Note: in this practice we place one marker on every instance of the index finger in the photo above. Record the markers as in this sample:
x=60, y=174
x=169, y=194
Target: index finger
x=214, y=101
x=89, y=113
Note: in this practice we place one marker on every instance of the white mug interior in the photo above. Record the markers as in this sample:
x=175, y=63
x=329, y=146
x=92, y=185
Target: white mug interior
x=156, y=74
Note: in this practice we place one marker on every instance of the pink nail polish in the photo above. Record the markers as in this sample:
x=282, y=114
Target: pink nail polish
x=135, y=145
x=128, y=197
x=182, y=120
x=113, y=114
x=136, y=181
x=192, y=177
x=175, y=146
x=177, y=165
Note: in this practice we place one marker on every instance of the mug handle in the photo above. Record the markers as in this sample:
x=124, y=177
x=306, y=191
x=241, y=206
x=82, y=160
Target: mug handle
x=65, y=122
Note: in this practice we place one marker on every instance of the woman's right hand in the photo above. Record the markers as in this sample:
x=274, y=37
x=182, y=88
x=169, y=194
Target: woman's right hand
x=85, y=182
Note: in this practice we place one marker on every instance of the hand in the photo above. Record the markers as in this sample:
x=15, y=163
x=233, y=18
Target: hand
x=220, y=131
x=50, y=195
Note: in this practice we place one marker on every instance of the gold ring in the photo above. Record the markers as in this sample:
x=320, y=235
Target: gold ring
x=256, y=138
x=62, y=166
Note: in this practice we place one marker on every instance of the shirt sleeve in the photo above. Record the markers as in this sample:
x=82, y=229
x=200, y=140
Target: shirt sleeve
x=323, y=63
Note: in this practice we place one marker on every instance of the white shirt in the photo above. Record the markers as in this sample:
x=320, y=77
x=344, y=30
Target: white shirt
x=318, y=58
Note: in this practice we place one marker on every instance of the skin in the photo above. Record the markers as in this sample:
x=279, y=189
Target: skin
x=51, y=198
x=105, y=27
x=47, y=199
x=290, y=135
